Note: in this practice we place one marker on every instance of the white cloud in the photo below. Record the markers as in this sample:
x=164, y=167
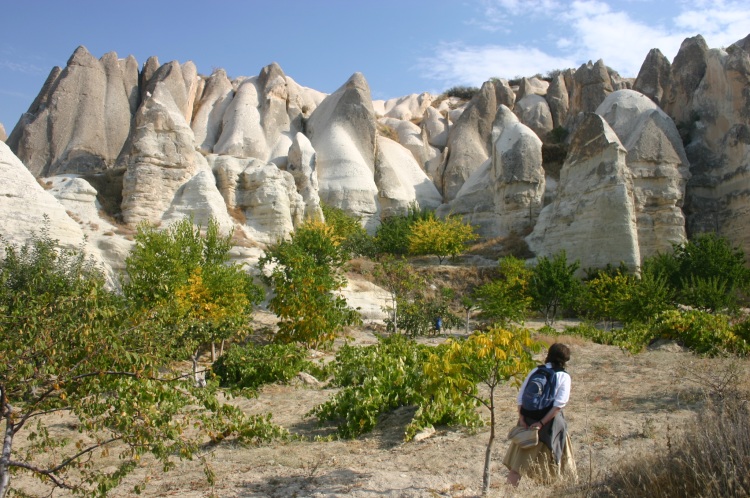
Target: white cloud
x=21, y=67
x=581, y=30
x=455, y=64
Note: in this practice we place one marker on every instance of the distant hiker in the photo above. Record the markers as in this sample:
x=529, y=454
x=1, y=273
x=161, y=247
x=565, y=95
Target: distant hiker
x=543, y=395
x=438, y=325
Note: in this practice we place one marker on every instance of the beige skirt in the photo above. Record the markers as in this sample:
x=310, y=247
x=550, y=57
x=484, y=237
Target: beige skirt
x=539, y=463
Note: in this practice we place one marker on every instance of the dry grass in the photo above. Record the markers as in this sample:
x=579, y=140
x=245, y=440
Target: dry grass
x=500, y=247
x=387, y=132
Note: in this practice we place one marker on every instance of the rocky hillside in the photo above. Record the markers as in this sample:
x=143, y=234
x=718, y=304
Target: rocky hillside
x=607, y=168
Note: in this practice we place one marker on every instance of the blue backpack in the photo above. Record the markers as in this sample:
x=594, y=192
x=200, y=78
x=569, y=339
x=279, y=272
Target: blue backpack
x=539, y=393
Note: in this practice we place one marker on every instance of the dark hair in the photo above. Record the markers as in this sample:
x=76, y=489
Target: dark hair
x=558, y=354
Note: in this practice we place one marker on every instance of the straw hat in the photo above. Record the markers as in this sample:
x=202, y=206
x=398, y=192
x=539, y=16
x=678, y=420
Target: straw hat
x=525, y=438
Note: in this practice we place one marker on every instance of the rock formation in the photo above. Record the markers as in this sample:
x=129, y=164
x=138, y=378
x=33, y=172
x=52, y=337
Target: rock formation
x=342, y=132
x=593, y=218
x=261, y=153
x=3, y=136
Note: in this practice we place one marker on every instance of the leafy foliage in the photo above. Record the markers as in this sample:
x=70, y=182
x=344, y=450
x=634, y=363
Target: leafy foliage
x=304, y=273
x=252, y=365
x=400, y=280
x=462, y=92
x=379, y=378
x=707, y=272
x=354, y=238
x=491, y=358
x=183, y=279
x=393, y=234
x=441, y=238
x=506, y=299
x=70, y=346
x=554, y=285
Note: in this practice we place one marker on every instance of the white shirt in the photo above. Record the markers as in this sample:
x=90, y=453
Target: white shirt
x=562, y=390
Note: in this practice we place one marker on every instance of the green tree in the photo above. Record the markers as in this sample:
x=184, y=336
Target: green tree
x=398, y=277
x=441, y=238
x=392, y=236
x=182, y=276
x=506, y=299
x=70, y=346
x=707, y=272
x=349, y=229
x=554, y=285
x=491, y=358
x=305, y=272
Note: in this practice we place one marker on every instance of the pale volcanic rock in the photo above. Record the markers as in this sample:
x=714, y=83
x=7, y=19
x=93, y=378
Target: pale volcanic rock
x=531, y=86
x=3, y=135
x=407, y=108
x=558, y=101
x=686, y=73
x=475, y=202
x=273, y=208
x=302, y=166
x=653, y=78
x=180, y=81
x=504, y=93
x=227, y=170
x=26, y=208
x=718, y=199
x=436, y=127
x=200, y=200
x=161, y=158
x=533, y=111
x=207, y=122
x=657, y=160
x=469, y=141
x=401, y=181
x=81, y=119
x=593, y=218
x=592, y=84
x=518, y=178
x=744, y=44
x=342, y=131
x=412, y=137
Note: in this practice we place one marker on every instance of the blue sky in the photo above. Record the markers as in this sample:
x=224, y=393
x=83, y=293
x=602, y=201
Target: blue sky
x=401, y=46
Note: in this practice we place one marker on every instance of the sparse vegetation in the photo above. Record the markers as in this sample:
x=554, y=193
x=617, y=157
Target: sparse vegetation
x=462, y=92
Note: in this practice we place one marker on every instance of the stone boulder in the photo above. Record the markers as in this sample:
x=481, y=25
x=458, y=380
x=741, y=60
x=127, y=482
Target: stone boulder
x=302, y=166
x=504, y=93
x=180, y=80
x=209, y=111
x=272, y=206
x=408, y=107
x=686, y=73
x=469, y=141
x=81, y=119
x=718, y=199
x=401, y=181
x=199, y=199
x=518, y=178
x=558, y=101
x=475, y=202
x=744, y=44
x=531, y=86
x=26, y=207
x=435, y=126
x=659, y=166
x=412, y=137
x=533, y=111
x=592, y=84
x=342, y=131
x=161, y=158
x=593, y=217
x=256, y=123
x=653, y=78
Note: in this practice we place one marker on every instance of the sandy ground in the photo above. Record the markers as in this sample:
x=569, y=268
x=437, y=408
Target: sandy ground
x=620, y=405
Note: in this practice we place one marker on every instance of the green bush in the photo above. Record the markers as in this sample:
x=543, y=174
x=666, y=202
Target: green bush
x=553, y=285
x=379, y=378
x=461, y=92
x=706, y=272
x=702, y=332
x=251, y=366
x=392, y=236
x=354, y=238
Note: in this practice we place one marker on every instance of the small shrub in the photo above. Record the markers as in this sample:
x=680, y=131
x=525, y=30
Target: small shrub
x=251, y=366
x=462, y=92
x=387, y=132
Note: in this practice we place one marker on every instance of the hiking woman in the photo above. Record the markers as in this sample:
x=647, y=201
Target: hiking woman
x=553, y=456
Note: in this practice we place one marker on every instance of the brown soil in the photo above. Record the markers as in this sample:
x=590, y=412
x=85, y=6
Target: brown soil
x=620, y=405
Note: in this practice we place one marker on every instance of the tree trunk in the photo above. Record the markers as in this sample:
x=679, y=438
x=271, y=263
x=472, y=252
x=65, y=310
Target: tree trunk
x=6, y=410
x=488, y=452
x=213, y=351
x=221, y=349
x=468, y=312
x=395, y=316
